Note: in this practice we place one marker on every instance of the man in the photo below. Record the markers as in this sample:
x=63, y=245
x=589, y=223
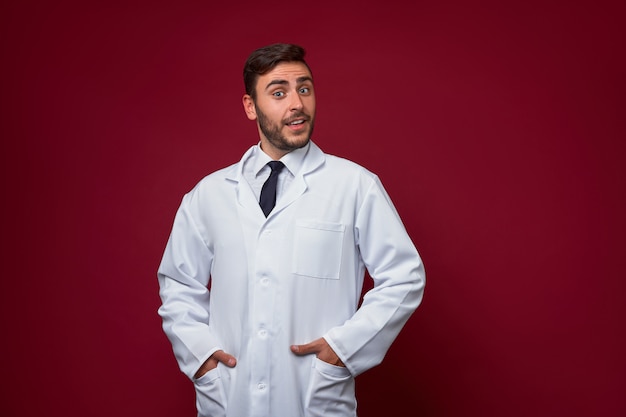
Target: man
x=261, y=302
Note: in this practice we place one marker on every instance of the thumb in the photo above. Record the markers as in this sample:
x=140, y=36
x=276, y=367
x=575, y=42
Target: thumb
x=225, y=358
x=305, y=349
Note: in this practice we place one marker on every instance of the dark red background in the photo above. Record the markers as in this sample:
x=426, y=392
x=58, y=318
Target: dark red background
x=498, y=128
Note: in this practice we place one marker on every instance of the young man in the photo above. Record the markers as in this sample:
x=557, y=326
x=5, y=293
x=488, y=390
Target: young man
x=279, y=331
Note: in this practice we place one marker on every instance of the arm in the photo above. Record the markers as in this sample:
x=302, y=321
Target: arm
x=398, y=273
x=183, y=277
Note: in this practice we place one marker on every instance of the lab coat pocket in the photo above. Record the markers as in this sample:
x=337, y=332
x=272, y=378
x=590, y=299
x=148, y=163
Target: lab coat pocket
x=317, y=248
x=210, y=396
x=331, y=391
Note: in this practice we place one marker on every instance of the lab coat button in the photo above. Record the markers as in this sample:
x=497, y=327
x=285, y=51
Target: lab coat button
x=265, y=281
x=262, y=333
x=261, y=386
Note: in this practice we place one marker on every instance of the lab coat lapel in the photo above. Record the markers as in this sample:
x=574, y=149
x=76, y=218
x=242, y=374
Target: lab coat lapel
x=246, y=201
x=245, y=197
x=298, y=187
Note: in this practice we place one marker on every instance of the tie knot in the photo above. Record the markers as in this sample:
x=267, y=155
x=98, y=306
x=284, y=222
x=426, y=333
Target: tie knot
x=276, y=166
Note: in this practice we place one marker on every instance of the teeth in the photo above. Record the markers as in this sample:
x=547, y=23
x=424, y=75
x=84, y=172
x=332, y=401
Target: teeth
x=297, y=122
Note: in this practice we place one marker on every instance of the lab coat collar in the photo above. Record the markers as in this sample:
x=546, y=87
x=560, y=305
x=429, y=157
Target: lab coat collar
x=314, y=158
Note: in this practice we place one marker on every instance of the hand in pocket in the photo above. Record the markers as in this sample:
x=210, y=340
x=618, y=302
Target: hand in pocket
x=321, y=349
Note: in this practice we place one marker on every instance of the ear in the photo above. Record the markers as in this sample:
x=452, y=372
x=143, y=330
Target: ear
x=248, y=107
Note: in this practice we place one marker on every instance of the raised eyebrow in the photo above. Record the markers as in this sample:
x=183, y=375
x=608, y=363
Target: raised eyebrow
x=299, y=80
x=276, y=82
x=304, y=79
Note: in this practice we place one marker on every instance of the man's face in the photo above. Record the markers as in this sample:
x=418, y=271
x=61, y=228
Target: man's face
x=284, y=108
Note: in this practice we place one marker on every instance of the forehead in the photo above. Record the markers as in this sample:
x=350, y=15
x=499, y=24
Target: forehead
x=290, y=72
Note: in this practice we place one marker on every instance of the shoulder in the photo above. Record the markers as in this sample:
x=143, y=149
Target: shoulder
x=340, y=163
x=345, y=171
x=212, y=185
x=336, y=165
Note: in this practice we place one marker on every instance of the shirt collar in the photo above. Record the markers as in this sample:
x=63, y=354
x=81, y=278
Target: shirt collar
x=293, y=160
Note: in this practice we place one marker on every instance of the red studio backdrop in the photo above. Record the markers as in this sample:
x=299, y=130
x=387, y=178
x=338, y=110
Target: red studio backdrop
x=497, y=127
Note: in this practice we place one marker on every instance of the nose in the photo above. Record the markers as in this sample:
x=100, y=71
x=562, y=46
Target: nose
x=296, y=102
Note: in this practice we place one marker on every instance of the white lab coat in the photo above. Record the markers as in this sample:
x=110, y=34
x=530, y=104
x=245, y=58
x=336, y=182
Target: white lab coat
x=231, y=279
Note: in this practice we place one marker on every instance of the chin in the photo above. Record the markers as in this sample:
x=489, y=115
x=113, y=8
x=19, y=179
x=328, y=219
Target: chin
x=298, y=143
x=299, y=140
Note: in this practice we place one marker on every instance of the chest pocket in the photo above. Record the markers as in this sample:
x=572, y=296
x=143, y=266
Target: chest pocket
x=318, y=248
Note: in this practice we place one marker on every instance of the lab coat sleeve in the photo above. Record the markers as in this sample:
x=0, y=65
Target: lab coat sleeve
x=398, y=273
x=183, y=276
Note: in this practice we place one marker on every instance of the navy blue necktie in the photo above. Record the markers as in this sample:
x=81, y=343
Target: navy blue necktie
x=268, y=192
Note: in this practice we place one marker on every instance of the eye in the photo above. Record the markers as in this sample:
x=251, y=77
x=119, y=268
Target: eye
x=304, y=90
x=278, y=93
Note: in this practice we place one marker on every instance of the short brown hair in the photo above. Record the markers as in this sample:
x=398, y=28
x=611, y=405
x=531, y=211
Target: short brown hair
x=264, y=59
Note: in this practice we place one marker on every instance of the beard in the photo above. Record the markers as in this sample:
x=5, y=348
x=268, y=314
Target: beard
x=273, y=132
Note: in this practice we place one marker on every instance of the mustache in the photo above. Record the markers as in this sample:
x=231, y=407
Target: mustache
x=299, y=115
